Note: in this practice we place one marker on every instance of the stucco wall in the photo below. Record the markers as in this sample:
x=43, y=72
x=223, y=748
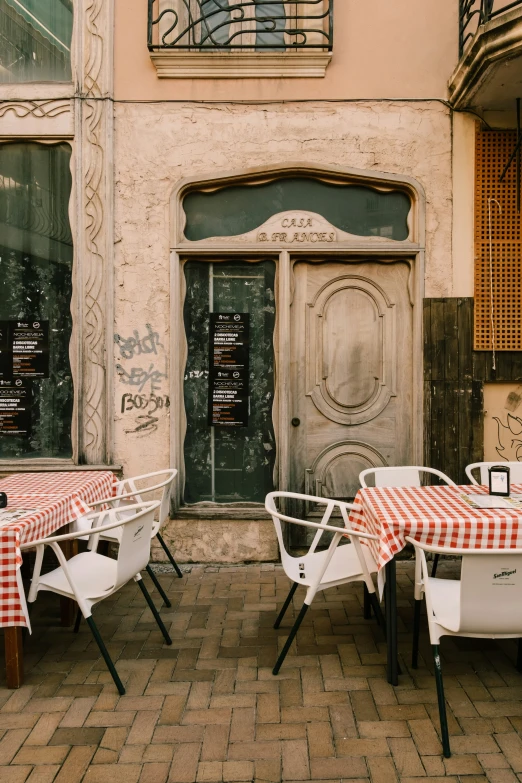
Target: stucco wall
x=382, y=49
x=158, y=144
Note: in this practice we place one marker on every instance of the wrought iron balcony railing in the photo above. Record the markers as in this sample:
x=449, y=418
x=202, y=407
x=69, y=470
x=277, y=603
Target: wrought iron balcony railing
x=473, y=13
x=254, y=25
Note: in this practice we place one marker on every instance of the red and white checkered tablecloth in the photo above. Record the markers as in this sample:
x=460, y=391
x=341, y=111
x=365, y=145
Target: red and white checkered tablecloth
x=54, y=500
x=435, y=515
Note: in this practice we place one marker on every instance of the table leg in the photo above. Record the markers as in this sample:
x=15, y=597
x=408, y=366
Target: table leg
x=14, y=657
x=68, y=607
x=391, y=622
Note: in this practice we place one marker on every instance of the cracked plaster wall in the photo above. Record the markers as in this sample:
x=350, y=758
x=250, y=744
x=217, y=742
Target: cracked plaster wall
x=158, y=144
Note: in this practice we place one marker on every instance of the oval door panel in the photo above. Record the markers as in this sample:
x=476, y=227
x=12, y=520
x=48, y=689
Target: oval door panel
x=352, y=354
x=352, y=347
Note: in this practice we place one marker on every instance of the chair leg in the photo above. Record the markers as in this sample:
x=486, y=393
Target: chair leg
x=519, y=655
x=155, y=612
x=435, y=564
x=158, y=587
x=106, y=657
x=442, y=704
x=286, y=605
x=374, y=601
x=169, y=555
x=77, y=621
x=288, y=643
x=367, y=604
x=416, y=631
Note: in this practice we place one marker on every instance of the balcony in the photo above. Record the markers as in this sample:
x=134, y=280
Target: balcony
x=488, y=77
x=211, y=39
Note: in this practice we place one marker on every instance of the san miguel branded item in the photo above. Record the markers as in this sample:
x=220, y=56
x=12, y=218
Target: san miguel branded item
x=499, y=480
x=228, y=369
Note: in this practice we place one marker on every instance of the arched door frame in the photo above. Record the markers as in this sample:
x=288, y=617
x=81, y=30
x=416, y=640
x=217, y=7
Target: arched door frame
x=411, y=250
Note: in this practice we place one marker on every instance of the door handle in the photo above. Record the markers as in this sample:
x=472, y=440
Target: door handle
x=296, y=422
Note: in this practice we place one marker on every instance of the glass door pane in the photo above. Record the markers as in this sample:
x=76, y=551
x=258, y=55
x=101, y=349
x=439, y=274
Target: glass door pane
x=229, y=465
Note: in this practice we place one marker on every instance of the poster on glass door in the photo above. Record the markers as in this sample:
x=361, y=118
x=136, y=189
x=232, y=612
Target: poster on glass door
x=15, y=407
x=228, y=369
x=24, y=349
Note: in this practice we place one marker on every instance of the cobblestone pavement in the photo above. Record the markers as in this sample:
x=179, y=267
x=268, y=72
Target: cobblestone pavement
x=209, y=709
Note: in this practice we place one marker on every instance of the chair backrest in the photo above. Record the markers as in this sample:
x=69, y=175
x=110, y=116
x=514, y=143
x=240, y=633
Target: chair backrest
x=400, y=476
x=339, y=530
x=515, y=469
x=143, y=485
x=490, y=588
x=134, y=548
x=491, y=593
x=277, y=517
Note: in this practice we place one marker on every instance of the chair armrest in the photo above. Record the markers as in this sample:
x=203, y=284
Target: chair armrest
x=149, y=506
x=329, y=528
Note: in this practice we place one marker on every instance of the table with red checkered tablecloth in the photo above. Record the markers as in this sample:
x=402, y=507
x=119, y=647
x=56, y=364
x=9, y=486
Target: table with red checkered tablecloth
x=52, y=500
x=437, y=515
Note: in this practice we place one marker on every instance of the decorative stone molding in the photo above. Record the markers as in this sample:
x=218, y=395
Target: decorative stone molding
x=172, y=64
x=336, y=458
x=295, y=228
x=94, y=135
x=30, y=118
x=493, y=45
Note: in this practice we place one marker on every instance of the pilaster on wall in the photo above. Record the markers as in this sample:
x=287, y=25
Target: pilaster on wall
x=82, y=111
x=94, y=145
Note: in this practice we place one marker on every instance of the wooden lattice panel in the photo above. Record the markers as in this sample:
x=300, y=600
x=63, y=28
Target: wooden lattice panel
x=498, y=281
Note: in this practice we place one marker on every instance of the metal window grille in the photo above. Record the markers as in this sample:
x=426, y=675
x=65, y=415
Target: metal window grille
x=255, y=25
x=473, y=13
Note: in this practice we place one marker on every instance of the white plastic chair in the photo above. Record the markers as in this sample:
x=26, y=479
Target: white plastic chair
x=321, y=570
x=404, y=476
x=486, y=603
x=401, y=476
x=89, y=577
x=132, y=490
x=515, y=469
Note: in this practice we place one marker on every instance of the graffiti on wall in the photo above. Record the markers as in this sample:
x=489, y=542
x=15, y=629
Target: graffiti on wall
x=142, y=368
x=503, y=422
x=509, y=438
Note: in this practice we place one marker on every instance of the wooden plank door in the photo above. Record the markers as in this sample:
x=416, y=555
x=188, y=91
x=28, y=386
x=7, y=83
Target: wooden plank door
x=351, y=373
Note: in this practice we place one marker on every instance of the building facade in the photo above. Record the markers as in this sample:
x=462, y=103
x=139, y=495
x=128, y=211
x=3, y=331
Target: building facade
x=262, y=244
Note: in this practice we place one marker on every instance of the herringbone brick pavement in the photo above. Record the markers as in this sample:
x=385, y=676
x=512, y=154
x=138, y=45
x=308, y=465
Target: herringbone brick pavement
x=208, y=709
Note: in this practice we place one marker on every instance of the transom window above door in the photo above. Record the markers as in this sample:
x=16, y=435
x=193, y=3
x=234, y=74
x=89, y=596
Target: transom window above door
x=355, y=210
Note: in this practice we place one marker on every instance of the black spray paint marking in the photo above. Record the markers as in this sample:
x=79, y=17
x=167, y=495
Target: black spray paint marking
x=140, y=377
x=152, y=402
x=136, y=345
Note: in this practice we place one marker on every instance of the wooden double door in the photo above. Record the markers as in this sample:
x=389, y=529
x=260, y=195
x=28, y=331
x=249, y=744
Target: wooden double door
x=351, y=372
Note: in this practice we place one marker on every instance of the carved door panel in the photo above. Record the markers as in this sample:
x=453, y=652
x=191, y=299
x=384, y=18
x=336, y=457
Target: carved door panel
x=351, y=373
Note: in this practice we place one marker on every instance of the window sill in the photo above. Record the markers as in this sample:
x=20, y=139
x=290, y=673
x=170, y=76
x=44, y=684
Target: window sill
x=172, y=64
x=35, y=91
x=46, y=466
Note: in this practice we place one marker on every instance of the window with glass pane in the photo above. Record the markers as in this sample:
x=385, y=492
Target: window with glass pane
x=229, y=465
x=35, y=40
x=36, y=257
x=214, y=24
x=237, y=209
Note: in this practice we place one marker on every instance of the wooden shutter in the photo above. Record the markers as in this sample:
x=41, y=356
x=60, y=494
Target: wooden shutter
x=501, y=286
